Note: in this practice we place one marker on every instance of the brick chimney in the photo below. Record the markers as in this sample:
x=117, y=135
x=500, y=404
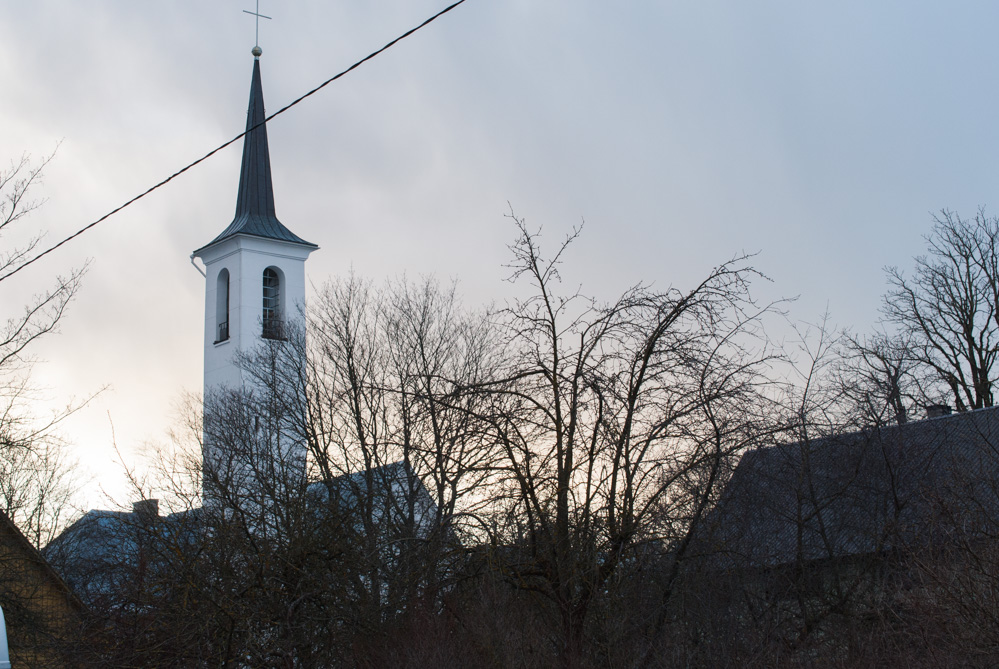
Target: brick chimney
x=937, y=410
x=148, y=509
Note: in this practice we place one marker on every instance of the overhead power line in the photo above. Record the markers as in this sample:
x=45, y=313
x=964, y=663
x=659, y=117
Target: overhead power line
x=231, y=141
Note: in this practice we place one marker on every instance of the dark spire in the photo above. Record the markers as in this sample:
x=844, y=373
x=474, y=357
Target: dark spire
x=256, y=194
x=255, y=213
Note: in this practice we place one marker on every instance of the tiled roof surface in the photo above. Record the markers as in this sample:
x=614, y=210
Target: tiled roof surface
x=99, y=553
x=859, y=493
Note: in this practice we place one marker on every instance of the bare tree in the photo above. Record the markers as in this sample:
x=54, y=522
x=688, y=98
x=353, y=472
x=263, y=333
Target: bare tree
x=948, y=310
x=317, y=537
x=261, y=574
x=389, y=372
x=619, y=425
x=881, y=375
x=42, y=314
x=437, y=352
x=37, y=479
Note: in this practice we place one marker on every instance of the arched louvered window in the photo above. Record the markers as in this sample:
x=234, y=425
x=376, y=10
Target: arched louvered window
x=222, y=307
x=272, y=316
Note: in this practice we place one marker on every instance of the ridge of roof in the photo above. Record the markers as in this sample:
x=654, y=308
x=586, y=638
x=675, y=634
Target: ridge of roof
x=255, y=211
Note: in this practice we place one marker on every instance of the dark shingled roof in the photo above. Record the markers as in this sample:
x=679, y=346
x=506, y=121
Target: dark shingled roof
x=255, y=214
x=99, y=554
x=897, y=487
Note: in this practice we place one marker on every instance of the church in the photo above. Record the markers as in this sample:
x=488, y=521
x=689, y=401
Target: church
x=252, y=473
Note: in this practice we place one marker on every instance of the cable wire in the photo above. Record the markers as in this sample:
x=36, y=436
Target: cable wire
x=233, y=140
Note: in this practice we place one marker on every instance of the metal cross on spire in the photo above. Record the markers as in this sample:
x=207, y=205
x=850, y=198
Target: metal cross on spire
x=256, y=48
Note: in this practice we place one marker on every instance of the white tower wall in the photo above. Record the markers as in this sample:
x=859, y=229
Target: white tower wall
x=235, y=319
x=246, y=258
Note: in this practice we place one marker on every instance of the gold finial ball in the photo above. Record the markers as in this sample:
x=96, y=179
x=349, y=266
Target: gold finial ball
x=256, y=51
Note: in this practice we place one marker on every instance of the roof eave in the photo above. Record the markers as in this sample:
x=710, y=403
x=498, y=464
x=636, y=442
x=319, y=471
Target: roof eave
x=218, y=241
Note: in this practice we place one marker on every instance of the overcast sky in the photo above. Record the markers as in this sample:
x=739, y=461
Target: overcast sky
x=822, y=135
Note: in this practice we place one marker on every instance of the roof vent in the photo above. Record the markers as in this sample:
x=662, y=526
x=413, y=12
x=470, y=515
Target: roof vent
x=937, y=410
x=147, y=508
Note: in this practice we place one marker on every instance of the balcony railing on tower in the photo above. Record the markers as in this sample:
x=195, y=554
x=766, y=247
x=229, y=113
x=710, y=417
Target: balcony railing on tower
x=222, y=333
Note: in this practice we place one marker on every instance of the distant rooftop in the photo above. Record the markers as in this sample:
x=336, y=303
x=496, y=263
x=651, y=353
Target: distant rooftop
x=100, y=553
x=867, y=492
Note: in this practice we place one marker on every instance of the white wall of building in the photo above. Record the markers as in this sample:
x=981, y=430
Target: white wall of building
x=246, y=258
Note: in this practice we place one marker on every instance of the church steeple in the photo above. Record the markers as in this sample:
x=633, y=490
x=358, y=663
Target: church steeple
x=256, y=193
x=254, y=284
x=255, y=269
x=255, y=212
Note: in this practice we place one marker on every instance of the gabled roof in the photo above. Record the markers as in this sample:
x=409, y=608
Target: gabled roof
x=17, y=543
x=856, y=494
x=255, y=213
x=101, y=550
x=99, y=554
x=392, y=489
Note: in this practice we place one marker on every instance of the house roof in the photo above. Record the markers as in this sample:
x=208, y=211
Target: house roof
x=255, y=212
x=100, y=552
x=858, y=493
x=33, y=556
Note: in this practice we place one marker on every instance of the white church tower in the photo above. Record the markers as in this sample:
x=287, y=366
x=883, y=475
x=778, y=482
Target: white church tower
x=255, y=269
x=255, y=283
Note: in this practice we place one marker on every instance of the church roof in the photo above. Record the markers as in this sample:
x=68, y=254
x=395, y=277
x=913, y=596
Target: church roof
x=99, y=554
x=255, y=213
